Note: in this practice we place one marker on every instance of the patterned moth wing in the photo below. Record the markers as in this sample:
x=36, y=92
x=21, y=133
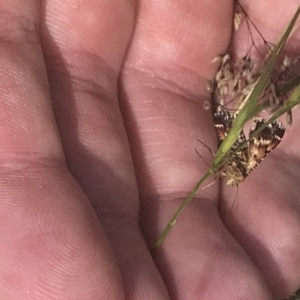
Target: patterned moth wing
x=237, y=162
x=223, y=122
x=245, y=156
x=265, y=141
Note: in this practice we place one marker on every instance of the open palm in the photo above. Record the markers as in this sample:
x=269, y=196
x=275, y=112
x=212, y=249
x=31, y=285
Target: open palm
x=101, y=108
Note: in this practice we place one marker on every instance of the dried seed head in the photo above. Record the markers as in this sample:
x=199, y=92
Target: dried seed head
x=238, y=17
x=210, y=85
x=206, y=105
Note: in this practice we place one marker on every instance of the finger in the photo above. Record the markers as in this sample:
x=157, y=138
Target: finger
x=49, y=235
x=83, y=68
x=265, y=219
x=164, y=88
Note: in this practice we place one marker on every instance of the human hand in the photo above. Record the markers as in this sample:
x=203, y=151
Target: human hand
x=101, y=110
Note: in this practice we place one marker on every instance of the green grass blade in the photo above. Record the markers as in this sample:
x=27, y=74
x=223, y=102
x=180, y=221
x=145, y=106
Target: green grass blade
x=250, y=110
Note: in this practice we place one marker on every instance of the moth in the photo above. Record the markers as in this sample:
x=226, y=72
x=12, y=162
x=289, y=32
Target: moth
x=245, y=155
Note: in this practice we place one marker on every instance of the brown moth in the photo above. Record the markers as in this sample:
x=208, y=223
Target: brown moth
x=245, y=156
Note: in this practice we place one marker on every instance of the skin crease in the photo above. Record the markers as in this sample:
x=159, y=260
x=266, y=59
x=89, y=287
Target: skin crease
x=101, y=108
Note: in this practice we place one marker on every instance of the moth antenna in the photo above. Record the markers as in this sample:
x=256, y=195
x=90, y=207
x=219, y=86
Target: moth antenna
x=207, y=147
